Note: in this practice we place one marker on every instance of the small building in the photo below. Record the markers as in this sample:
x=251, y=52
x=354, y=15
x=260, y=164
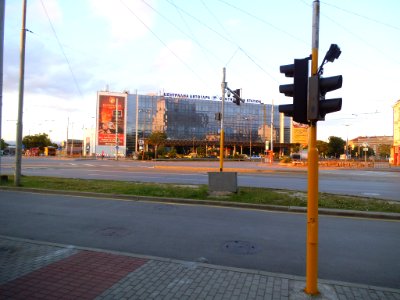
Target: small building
x=373, y=142
x=72, y=147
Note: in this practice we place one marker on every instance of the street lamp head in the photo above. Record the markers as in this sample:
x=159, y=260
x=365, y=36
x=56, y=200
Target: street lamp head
x=333, y=53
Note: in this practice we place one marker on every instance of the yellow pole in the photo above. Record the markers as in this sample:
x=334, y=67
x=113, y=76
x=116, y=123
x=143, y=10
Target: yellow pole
x=312, y=204
x=221, y=145
x=312, y=214
x=221, y=151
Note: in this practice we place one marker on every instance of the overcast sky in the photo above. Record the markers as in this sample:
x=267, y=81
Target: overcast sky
x=75, y=48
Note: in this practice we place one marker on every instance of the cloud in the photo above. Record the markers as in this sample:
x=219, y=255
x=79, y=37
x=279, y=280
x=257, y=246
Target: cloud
x=120, y=18
x=37, y=11
x=175, y=53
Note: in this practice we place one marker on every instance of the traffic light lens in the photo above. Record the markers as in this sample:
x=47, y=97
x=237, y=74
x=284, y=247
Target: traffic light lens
x=330, y=84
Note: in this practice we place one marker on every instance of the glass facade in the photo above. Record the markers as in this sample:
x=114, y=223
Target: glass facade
x=188, y=121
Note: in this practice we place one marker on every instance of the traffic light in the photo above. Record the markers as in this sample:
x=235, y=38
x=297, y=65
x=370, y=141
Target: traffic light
x=318, y=86
x=318, y=106
x=236, y=96
x=297, y=90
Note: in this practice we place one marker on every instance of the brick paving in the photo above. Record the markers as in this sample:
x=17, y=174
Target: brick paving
x=83, y=275
x=37, y=270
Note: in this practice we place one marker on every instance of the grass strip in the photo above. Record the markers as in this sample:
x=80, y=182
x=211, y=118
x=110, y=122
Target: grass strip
x=200, y=192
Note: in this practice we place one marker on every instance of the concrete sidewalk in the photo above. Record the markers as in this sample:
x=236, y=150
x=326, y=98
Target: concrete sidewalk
x=38, y=270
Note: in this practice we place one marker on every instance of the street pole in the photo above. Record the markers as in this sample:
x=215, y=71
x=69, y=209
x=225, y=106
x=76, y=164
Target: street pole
x=312, y=203
x=251, y=125
x=347, y=147
x=18, y=154
x=221, y=145
x=136, y=124
x=72, y=140
x=66, y=144
x=2, y=11
x=116, y=128
x=272, y=128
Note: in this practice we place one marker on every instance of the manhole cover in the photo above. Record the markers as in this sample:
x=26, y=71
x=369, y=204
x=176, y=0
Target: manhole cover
x=239, y=247
x=114, y=231
x=7, y=250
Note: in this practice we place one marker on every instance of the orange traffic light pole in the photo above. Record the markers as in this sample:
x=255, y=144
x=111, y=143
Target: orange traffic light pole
x=312, y=204
x=222, y=134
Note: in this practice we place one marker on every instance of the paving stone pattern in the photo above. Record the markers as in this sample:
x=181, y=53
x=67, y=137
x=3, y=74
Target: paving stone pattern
x=162, y=280
x=18, y=258
x=36, y=270
x=83, y=275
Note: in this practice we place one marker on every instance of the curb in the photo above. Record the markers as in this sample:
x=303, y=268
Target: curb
x=292, y=209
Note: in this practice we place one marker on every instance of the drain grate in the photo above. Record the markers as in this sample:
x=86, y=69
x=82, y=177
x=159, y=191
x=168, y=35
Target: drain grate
x=239, y=247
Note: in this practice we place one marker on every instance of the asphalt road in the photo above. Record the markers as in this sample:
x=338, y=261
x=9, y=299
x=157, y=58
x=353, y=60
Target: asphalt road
x=353, y=250
x=375, y=183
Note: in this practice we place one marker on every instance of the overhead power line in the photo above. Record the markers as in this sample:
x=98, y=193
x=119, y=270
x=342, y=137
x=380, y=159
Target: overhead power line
x=224, y=37
x=62, y=49
x=264, y=21
x=191, y=36
x=161, y=41
x=362, y=16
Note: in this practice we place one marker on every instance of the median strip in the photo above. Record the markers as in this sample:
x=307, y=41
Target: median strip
x=247, y=197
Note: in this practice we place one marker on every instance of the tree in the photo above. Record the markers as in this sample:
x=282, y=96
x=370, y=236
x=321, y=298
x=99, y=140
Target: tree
x=3, y=144
x=335, y=146
x=40, y=140
x=201, y=151
x=384, y=150
x=295, y=148
x=157, y=138
x=322, y=147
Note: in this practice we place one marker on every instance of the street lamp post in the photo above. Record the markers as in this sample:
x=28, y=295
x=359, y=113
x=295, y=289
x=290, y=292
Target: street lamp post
x=250, y=134
x=116, y=129
x=72, y=140
x=148, y=111
x=221, y=144
x=18, y=154
x=347, y=140
x=136, y=124
x=2, y=12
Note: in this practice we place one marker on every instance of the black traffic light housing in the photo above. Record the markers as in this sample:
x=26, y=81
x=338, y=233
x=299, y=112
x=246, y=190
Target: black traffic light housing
x=318, y=86
x=236, y=96
x=318, y=106
x=298, y=90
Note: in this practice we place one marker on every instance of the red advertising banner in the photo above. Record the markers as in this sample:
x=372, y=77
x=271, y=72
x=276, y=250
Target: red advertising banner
x=111, y=118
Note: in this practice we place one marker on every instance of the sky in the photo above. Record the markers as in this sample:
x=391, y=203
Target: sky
x=75, y=48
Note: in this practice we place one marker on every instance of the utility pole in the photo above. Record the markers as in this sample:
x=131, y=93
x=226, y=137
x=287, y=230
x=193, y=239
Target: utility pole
x=2, y=11
x=272, y=129
x=116, y=128
x=18, y=154
x=136, y=124
x=221, y=145
x=72, y=140
x=66, y=144
x=312, y=203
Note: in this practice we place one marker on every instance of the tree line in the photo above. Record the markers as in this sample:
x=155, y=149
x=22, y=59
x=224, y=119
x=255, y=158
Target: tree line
x=333, y=148
x=40, y=141
x=336, y=146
